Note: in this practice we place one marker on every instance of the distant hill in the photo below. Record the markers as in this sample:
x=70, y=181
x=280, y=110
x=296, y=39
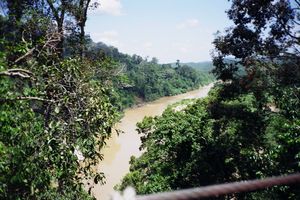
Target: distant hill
x=114, y=53
x=206, y=66
x=139, y=79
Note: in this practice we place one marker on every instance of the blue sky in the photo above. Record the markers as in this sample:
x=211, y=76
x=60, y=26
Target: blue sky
x=165, y=29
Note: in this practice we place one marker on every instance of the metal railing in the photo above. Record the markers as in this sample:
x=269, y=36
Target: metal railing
x=223, y=189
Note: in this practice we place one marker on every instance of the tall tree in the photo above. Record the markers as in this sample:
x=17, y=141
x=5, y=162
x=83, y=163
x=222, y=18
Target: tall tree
x=265, y=34
x=55, y=112
x=264, y=44
x=59, y=10
x=81, y=18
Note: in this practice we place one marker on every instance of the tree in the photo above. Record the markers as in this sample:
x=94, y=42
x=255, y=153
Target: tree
x=79, y=10
x=55, y=112
x=248, y=127
x=59, y=9
x=265, y=44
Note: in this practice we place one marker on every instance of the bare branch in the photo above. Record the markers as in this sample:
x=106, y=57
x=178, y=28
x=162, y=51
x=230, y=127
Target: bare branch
x=288, y=31
x=20, y=70
x=297, y=2
x=22, y=73
x=51, y=42
x=28, y=53
x=14, y=74
x=298, y=23
x=54, y=11
x=26, y=98
x=121, y=70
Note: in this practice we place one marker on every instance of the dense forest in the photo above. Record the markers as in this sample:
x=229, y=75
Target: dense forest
x=249, y=125
x=140, y=80
x=55, y=105
x=206, y=66
x=61, y=95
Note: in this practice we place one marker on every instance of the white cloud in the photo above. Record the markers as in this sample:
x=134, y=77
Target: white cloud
x=110, y=7
x=182, y=47
x=183, y=50
x=110, y=34
x=108, y=37
x=189, y=23
x=148, y=45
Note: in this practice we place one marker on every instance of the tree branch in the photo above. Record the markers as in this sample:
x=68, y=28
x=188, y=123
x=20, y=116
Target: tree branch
x=54, y=11
x=26, y=98
x=22, y=73
x=28, y=53
x=297, y=2
x=120, y=71
x=52, y=40
x=287, y=31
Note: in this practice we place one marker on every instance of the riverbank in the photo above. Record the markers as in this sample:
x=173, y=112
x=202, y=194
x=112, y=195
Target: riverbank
x=120, y=148
x=139, y=102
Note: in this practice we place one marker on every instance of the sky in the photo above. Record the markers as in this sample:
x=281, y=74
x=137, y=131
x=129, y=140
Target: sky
x=165, y=29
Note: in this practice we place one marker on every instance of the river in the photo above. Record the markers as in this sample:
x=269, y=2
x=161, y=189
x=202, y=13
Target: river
x=120, y=148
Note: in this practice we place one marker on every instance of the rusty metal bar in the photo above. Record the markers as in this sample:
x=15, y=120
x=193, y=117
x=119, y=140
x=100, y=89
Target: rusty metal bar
x=223, y=189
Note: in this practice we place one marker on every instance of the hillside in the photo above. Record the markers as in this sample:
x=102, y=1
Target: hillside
x=139, y=79
x=205, y=66
x=62, y=97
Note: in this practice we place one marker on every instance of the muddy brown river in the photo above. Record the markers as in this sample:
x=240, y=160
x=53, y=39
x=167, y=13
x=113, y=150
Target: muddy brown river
x=120, y=148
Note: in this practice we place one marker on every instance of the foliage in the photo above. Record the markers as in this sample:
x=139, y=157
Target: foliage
x=248, y=127
x=209, y=143
x=148, y=80
x=205, y=66
x=55, y=112
x=59, y=102
x=76, y=115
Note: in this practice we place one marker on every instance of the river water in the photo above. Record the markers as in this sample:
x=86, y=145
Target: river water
x=120, y=148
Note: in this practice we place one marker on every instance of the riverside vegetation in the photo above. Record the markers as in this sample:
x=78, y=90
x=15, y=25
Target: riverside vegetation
x=61, y=94
x=142, y=80
x=249, y=125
